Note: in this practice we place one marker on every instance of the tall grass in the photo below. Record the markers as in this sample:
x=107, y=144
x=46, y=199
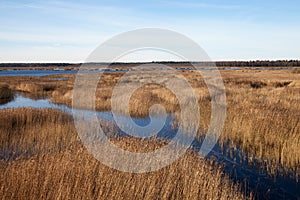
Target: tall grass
x=262, y=110
x=59, y=167
x=74, y=174
x=265, y=123
x=6, y=94
x=26, y=132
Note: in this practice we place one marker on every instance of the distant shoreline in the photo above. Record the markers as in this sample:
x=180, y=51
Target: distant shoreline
x=258, y=63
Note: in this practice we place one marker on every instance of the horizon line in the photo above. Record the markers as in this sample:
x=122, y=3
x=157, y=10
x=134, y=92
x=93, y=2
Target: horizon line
x=133, y=62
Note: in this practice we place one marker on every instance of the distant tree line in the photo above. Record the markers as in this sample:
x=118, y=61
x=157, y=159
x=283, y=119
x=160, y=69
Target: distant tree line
x=257, y=63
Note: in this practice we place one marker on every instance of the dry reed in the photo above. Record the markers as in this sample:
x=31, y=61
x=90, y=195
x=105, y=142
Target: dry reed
x=59, y=167
x=262, y=109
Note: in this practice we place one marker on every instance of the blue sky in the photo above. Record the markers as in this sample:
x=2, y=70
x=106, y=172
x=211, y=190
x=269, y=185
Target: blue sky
x=68, y=31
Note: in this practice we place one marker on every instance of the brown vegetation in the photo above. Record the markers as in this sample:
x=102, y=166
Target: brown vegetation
x=262, y=112
x=6, y=94
x=28, y=132
x=52, y=164
x=262, y=108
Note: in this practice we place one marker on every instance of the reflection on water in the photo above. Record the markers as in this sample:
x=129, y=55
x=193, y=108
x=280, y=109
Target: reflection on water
x=5, y=101
x=35, y=72
x=21, y=100
x=51, y=72
x=59, y=79
x=251, y=174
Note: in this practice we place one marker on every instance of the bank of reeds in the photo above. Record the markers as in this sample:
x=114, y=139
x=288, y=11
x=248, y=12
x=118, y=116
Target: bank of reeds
x=6, y=94
x=59, y=167
x=262, y=110
x=26, y=132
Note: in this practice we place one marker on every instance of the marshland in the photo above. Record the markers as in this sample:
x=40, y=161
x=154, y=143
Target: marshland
x=257, y=155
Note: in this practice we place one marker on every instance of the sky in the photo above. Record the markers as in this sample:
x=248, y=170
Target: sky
x=68, y=31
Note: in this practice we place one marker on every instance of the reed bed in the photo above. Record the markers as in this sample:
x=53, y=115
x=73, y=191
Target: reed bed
x=265, y=123
x=262, y=110
x=59, y=167
x=6, y=94
x=26, y=132
x=74, y=174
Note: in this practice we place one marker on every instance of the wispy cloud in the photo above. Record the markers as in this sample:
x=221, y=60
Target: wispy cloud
x=75, y=11
x=187, y=4
x=62, y=22
x=59, y=29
